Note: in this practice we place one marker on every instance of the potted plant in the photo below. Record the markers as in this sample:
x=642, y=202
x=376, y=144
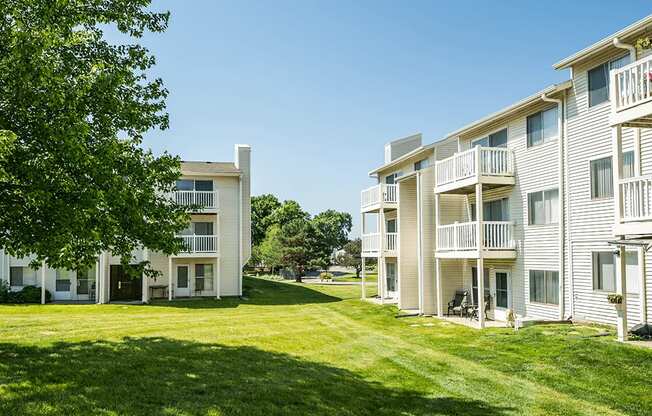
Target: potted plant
x=642, y=43
x=616, y=300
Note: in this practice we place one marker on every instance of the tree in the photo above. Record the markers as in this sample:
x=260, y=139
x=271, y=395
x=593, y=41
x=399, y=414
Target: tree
x=271, y=249
x=70, y=187
x=332, y=229
x=297, y=239
x=288, y=211
x=262, y=207
x=351, y=256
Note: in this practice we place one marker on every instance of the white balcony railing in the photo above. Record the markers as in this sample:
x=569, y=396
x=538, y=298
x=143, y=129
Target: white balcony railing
x=372, y=196
x=498, y=235
x=371, y=242
x=492, y=161
x=200, y=243
x=204, y=199
x=636, y=194
x=631, y=85
x=391, y=241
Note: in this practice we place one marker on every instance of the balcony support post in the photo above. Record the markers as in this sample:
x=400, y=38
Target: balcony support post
x=621, y=289
x=479, y=205
x=617, y=169
x=440, y=296
x=477, y=164
x=169, y=278
x=218, y=278
x=43, y=283
x=363, y=292
x=480, y=300
x=381, y=262
x=145, y=295
x=641, y=284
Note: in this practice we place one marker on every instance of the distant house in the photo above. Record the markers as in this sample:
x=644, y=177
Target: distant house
x=217, y=245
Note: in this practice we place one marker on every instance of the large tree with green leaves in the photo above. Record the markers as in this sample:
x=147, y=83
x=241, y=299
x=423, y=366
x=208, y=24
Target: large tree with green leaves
x=262, y=207
x=297, y=239
x=332, y=229
x=69, y=186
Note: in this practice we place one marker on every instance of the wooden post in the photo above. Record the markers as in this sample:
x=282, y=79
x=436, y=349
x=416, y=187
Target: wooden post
x=363, y=294
x=43, y=283
x=440, y=296
x=621, y=289
x=617, y=168
x=169, y=278
x=145, y=283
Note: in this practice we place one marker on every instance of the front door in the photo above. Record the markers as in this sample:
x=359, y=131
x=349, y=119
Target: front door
x=183, y=280
x=501, y=287
x=123, y=286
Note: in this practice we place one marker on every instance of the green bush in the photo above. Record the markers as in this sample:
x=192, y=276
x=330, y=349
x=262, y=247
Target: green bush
x=325, y=276
x=29, y=294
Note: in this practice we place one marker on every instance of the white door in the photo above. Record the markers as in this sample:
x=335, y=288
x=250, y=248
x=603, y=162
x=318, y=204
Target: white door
x=63, y=285
x=183, y=280
x=502, y=299
x=391, y=290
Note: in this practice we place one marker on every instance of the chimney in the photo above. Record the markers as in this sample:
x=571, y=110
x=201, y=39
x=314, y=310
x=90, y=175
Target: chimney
x=243, y=162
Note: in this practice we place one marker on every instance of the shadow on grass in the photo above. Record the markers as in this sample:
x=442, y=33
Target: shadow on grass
x=257, y=292
x=149, y=376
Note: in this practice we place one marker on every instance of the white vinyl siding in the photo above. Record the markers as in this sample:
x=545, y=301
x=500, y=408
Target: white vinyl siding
x=599, y=80
x=606, y=271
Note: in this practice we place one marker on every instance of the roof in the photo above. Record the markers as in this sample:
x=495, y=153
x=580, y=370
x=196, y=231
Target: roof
x=518, y=106
x=605, y=43
x=419, y=150
x=209, y=168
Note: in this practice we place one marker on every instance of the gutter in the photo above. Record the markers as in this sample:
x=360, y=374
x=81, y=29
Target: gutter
x=632, y=50
x=561, y=201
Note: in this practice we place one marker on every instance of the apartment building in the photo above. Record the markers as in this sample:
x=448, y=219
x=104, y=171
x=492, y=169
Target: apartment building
x=544, y=207
x=217, y=244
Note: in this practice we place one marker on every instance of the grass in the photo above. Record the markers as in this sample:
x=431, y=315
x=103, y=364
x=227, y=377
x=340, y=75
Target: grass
x=371, y=278
x=289, y=349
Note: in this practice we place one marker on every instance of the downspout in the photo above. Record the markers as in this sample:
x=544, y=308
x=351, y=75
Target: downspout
x=561, y=202
x=632, y=49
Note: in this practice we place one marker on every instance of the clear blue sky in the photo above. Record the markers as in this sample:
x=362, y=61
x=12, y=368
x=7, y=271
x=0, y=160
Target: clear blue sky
x=317, y=88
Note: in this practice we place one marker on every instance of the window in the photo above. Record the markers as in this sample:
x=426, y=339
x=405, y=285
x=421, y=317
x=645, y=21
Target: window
x=194, y=185
x=497, y=210
x=605, y=271
x=501, y=290
x=542, y=127
x=203, y=277
x=497, y=139
x=543, y=207
x=391, y=226
x=22, y=276
x=62, y=282
x=628, y=164
x=422, y=164
x=391, y=179
x=203, y=228
x=544, y=286
x=599, y=80
x=602, y=185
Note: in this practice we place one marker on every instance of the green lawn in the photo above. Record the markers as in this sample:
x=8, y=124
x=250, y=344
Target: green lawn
x=371, y=278
x=296, y=350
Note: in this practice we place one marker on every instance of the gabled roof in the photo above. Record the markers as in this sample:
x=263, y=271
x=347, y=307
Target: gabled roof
x=209, y=168
x=605, y=43
x=418, y=151
x=514, y=108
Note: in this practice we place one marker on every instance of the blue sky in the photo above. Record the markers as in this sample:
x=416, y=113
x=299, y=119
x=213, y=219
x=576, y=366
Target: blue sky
x=317, y=88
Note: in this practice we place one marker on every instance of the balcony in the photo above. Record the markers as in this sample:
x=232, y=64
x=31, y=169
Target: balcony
x=204, y=201
x=381, y=196
x=493, y=166
x=460, y=240
x=630, y=94
x=199, y=245
x=371, y=244
x=636, y=213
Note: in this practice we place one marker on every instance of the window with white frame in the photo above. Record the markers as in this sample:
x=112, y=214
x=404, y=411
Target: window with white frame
x=203, y=277
x=22, y=276
x=194, y=185
x=497, y=139
x=542, y=127
x=606, y=271
x=628, y=165
x=543, y=207
x=544, y=286
x=496, y=210
x=63, y=279
x=602, y=181
x=598, y=78
x=421, y=164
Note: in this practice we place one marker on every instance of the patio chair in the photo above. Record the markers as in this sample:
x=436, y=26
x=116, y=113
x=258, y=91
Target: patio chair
x=459, y=303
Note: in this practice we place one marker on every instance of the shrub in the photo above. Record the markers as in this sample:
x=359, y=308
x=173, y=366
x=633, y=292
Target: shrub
x=5, y=292
x=615, y=298
x=325, y=276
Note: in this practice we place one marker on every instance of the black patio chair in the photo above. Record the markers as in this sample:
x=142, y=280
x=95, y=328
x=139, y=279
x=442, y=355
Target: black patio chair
x=459, y=303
